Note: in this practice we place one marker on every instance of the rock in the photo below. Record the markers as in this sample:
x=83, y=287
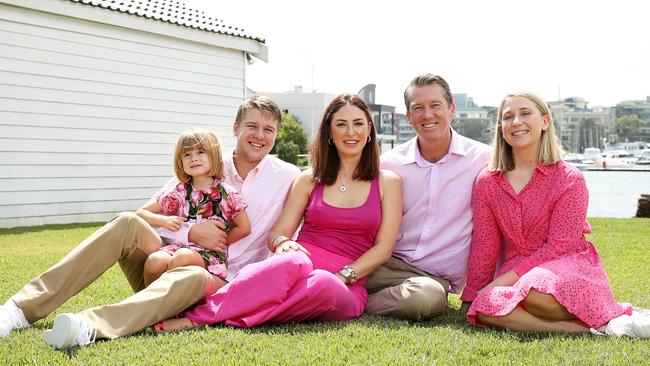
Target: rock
x=643, y=208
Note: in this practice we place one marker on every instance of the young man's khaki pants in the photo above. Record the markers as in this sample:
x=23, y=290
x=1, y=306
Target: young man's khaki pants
x=126, y=239
x=400, y=290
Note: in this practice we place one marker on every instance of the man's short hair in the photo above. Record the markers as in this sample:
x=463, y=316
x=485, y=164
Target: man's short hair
x=263, y=104
x=424, y=80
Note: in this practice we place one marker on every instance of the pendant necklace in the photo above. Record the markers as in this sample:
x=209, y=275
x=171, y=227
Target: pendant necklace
x=342, y=187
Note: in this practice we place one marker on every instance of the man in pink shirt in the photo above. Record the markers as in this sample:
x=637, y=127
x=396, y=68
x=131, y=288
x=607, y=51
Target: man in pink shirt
x=438, y=168
x=263, y=182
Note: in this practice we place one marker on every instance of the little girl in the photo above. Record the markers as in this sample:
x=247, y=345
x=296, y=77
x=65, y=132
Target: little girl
x=200, y=195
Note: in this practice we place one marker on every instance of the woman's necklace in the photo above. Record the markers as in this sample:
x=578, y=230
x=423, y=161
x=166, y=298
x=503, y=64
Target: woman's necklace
x=342, y=187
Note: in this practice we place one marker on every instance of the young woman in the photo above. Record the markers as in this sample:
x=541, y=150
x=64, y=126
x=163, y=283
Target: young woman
x=350, y=213
x=530, y=213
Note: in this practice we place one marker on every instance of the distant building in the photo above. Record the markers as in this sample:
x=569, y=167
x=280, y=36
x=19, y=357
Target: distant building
x=404, y=129
x=579, y=126
x=383, y=117
x=642, y=109
x=308, y=107
x=639, y=107
x=466, y=108
x=471, y=120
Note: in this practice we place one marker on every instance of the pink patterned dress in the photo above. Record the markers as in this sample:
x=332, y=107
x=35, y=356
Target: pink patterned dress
x=219, y=202
x=538, y=233
x=294, y=287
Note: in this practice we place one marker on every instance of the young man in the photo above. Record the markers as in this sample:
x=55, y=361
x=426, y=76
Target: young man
x=128, y=239
x=438, y=168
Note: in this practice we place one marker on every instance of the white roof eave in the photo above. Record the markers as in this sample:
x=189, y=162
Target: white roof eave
x=116, y=18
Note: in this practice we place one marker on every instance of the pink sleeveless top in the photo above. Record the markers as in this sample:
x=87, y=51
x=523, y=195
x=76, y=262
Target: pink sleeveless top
x=348, y=232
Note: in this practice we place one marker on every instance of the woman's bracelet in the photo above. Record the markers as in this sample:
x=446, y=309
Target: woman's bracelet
x=275, y=243
x=349, y=274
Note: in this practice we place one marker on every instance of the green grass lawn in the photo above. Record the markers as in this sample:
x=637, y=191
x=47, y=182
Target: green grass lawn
x=446, y=340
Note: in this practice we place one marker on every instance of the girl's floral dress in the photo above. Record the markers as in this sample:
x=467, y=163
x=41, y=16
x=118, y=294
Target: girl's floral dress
x=219, y=202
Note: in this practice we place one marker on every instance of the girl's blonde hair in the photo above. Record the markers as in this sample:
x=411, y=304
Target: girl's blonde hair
x=197, y=139
x=549, y=148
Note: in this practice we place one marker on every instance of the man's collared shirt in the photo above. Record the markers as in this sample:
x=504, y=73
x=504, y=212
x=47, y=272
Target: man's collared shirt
x=436, y=230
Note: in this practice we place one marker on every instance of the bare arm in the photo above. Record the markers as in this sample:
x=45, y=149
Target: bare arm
x=150, y=212
x=209, y=234
x=292, y=214
x=241, y=228
x=391, y=218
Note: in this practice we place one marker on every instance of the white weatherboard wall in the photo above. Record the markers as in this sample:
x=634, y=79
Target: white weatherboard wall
x=90, y=112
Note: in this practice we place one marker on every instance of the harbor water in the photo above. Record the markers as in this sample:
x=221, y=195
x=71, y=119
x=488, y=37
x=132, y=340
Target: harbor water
x=615, y=193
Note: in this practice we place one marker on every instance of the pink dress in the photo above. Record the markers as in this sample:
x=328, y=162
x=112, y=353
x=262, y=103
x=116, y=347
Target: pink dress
x=538, y=233
x=219, y=202
x=294, y=287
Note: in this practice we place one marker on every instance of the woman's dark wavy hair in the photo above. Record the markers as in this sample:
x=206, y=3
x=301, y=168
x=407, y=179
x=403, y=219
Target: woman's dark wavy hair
x=324, y=157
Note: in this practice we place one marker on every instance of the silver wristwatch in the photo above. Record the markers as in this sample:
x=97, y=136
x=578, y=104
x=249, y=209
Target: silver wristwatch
x=349, y=273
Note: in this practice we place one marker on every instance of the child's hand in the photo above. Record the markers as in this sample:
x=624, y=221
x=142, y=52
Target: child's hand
x=172, y=223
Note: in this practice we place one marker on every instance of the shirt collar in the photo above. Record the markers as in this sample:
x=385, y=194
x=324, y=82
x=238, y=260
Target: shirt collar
x=456, y=146
x=257, y=170
x=545, y=169
x=413, y=154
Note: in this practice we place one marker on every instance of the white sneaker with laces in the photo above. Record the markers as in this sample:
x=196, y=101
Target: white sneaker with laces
x=69, y=331
x=11, y=318
x=636, y=325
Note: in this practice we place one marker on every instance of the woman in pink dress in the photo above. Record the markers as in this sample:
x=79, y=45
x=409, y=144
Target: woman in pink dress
x=350, y=213
x=530, y=214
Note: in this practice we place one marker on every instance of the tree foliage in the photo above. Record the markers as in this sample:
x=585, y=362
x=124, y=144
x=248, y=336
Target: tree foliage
x=629, y=126
x=292, y=130
x=476, y=129
x=288, y=151
x=292, y=139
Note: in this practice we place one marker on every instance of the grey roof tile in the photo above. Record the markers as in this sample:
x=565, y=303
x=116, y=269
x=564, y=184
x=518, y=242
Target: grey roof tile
x=171, y=11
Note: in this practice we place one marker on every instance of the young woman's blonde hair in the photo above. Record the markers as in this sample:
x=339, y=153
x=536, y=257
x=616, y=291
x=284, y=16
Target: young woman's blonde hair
x=549, y=148
x=197, y=139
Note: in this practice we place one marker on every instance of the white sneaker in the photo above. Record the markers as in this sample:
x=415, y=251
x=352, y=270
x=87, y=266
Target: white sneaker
x=636, y=325
x=641, y=323
x=69, y=331
x=11, y=318
x=640, y=311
